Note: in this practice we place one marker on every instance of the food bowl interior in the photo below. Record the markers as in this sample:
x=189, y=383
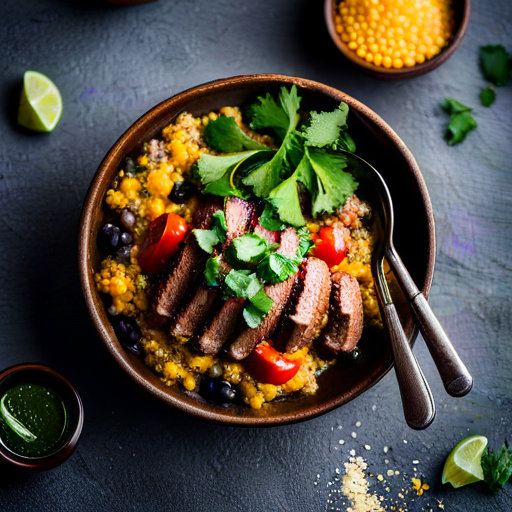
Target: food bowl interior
x=47, y=377
x=461, y=10
x=414, y=240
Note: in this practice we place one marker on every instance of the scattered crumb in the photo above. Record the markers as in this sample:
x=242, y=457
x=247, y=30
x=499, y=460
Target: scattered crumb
x=354, y=435
x=367, y=447
x=397, y=472
x=380, y=478
x=358, y=424
x=386, y=449
x=419, y=486
x=353, y=453
x=341, y=441
x=415, y=461
x=390, y=472
x=405, y=441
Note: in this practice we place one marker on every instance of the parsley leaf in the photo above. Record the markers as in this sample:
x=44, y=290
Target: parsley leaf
x=487, y=97
x=207, y=239
x=497, y=467
x=219, y=226
x=276, y=268
x=305, y=243
x=332, y=186
x=461, y=121
x=225, y=136
x=249, y=248
x=212, y=271
x=268, y=219
x=324, y=129
x=496, y=64
x=346, y=142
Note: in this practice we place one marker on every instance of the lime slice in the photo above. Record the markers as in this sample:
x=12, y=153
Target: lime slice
x=40, y=103
x=463, y=466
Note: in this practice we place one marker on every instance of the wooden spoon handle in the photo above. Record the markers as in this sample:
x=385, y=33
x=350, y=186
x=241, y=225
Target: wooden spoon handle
x=417, y=401
x=456, y=378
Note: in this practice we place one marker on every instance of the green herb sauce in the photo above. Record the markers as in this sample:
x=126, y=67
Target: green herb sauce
x=33, y=420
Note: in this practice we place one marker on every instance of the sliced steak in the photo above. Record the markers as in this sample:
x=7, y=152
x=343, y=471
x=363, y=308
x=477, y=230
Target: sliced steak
x=195, y=312
x=239, y=214
x=345, y=325
x=245, y=343
x=312, y=305
x=221, y=328
x=289, y=242
x=183, y=271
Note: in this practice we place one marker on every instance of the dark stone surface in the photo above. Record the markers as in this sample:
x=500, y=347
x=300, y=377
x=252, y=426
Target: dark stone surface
x=111, y=65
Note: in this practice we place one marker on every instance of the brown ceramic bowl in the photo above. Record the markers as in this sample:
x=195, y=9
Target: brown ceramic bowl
x=462, y=12
x=38, y=373
x=414, y=238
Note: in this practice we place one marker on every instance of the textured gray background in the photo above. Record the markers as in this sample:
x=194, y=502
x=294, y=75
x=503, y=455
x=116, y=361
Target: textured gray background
x=112, y=64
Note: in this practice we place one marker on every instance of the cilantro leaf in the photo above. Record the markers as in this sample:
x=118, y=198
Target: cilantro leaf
x=276, y=268
x=461, y=121
x=487, y=97
x=257, y=309
x=497, y=467
x=242, y=283
x=268, y=219
x=216, y=171
x=285, y=198
x=207, y=239
x=496, y=64
x=249, y=248
x=282, y=117
x=460, y=125
x=212, y=271
x=225, y=136
x=453, y=106
x=333, y=186
x=305, y=243
x=219, y=225
x=346, y=142
x=324, y=128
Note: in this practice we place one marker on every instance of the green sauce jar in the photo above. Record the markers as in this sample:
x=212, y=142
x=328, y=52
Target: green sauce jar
x=41, y=417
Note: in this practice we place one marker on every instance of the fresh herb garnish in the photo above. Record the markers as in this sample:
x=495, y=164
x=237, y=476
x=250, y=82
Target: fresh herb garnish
x=497, y=467
x=461, y=122
x=324, y=128
x=211, y=271
x=487, y=96
x=268, y=219
x=276, y=268
x=206, y=239
x=249, y=248
x=225, y=136
x=496, y=64
x=246, y=285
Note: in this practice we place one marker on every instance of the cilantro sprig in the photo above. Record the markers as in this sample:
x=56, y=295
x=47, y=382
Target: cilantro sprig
x=306, y=160
x=461, y=121
x=497, y=467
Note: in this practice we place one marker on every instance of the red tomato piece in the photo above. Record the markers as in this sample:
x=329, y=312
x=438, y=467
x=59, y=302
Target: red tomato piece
x=165, y=233
x=329, y=246
x=269, y=366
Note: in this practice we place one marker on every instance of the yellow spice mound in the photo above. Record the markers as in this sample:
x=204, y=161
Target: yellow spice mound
x=395, y=33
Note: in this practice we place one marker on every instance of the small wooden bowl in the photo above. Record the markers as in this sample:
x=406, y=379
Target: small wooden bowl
x=40, y=374
x=462, y=12
x=414, y=238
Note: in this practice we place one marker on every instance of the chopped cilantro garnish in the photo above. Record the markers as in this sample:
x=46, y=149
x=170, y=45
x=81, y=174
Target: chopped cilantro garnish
x=257, y=308
x=285, y=198
x=206, y=239
x=487, y=96
x=324, y=128
x=497, y=467
x=211, y=272
x=225, y=136
x=276, y=268
x=268, y=219
x=496, y=64
x=249, y=248
x=461, y=121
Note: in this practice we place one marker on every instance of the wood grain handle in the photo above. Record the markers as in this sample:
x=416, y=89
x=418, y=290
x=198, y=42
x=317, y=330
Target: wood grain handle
x=418, y=404
x=456, y=378
x=454, y=374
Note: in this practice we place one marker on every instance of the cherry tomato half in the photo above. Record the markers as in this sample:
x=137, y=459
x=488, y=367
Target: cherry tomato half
x=269, y=366
x=329, y=246
x=165, y=233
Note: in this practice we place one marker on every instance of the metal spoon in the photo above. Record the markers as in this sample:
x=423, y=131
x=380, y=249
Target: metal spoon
x=456, y=378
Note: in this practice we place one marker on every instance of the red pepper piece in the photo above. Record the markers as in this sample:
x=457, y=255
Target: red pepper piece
x=165, y=233
x=329, y=246
x=269, y=366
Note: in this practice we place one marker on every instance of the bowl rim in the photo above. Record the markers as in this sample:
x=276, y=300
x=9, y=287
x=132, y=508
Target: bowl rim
x=93, y=197
x=392, y=73
x=65, y=451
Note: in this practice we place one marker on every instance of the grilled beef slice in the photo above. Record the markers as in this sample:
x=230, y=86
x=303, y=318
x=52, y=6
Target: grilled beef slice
x=221, y=328
x=245, y=343
x=289, y=242
x=345, y=325
x=239, y=214
x=183, y=270
x=190, y=319
x=311, y=305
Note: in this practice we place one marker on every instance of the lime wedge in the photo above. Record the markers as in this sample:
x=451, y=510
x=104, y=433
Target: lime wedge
x=40, y=103
x=463, y=466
